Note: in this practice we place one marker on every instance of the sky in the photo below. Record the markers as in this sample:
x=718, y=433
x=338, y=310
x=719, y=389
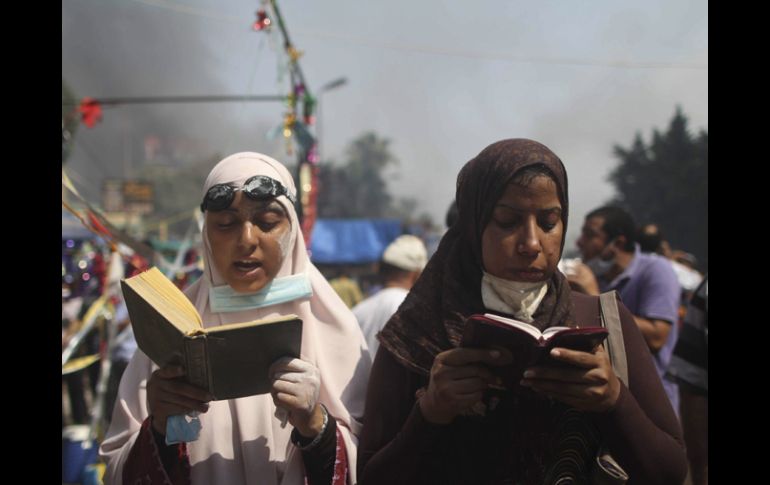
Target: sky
x=440, y=79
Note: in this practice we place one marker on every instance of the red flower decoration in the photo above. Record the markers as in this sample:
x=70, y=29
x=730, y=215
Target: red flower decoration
x=90, y=111
x=263, y=22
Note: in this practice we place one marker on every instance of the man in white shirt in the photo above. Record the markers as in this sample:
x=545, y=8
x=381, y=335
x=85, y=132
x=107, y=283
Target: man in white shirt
x=401, y=265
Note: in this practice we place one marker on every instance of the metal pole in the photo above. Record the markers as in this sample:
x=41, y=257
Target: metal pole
x=180, y=99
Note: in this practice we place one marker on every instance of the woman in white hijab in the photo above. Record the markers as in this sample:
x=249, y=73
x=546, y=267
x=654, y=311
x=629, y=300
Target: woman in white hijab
x=256, y=266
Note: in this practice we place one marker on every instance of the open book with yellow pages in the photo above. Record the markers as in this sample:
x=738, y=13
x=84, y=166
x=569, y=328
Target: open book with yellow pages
x=229, y=361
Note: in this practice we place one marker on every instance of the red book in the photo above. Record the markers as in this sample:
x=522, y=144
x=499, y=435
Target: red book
x=528, y=345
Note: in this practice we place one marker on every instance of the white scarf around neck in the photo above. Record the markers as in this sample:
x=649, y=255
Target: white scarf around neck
x=516, y=298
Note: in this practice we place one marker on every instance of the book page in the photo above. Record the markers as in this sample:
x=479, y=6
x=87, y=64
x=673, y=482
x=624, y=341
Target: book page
x=550, y=332
x=164, y=296
x=263, y=321
x=526, y=327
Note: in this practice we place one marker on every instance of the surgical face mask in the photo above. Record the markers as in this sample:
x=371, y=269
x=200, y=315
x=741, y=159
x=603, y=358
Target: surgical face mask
x=280, y=290
x=513, y=297
x=599, y=265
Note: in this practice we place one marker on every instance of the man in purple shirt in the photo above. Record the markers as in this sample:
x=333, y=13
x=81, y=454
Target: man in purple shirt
x=646, y=283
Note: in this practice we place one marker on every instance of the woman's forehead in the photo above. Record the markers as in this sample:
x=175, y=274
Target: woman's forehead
x=539, y=195
x=538, y=185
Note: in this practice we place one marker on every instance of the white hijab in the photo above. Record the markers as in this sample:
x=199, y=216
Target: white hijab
x=241, y=441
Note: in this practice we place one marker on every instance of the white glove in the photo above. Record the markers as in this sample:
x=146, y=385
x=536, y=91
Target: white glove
x=296, y=385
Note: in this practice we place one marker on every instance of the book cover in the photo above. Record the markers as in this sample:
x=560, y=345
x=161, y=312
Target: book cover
x=526, y=343
x=229, y=361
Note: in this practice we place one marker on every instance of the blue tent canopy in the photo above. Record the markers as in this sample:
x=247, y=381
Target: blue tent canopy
x=352, y=241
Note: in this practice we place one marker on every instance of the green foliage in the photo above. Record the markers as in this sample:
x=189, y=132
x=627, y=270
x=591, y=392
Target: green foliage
x=666, y=182
x=357, y=188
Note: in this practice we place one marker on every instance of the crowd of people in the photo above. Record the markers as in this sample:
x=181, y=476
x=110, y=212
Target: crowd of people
x=383, y=392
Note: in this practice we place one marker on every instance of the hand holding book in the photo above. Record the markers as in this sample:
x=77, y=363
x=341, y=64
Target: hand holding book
x=586, y=381
x=527, y=345
x=199, y=364
x=458, y=379
x=296, y=386
x=168, y=394
x=229, y=361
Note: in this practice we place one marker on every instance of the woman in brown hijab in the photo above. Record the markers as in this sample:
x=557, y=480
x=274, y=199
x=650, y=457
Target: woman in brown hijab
x=429, y=418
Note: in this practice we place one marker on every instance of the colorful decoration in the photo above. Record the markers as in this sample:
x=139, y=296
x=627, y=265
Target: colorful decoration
x=294, y=54
x=90, y=111
x=291, y=101
x=97, y=225
x=263, y=21
x=295, y=126
x=308, y=176
x=308, y=107
x=304, y=139
x=288, y=124
x=312, y=156
x=288, y=129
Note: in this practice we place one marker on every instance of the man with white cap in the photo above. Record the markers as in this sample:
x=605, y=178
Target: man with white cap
x=401, y=265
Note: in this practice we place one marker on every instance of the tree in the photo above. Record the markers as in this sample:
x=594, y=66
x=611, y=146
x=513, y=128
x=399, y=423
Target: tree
x=357, y=188
x=666, y=183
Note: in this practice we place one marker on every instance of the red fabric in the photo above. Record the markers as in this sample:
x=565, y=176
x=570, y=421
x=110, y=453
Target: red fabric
x=340, y=462
x=340, y=473
x=97, y=225
x=144, y=465
x=99, y=270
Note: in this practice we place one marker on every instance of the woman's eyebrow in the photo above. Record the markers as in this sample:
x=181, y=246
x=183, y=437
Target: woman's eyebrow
x=552, y=209
x=520, y=209
x=271, y=206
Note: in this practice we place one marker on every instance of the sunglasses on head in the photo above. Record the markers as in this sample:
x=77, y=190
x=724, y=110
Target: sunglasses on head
x=258, y=187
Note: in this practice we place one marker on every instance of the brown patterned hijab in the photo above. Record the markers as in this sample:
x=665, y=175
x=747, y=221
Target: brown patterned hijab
x=449, y=290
